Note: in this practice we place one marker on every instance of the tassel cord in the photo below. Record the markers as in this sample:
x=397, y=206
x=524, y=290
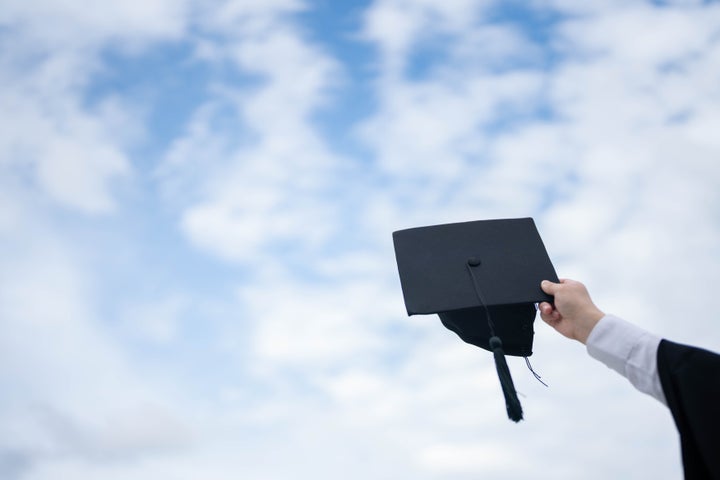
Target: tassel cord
x=535, y=374
x=512, y=403
x=481, y=299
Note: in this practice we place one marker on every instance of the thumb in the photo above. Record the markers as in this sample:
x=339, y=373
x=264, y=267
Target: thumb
x=549, y=287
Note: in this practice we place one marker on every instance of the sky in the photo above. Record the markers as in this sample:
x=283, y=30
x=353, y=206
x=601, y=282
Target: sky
x=197, y=278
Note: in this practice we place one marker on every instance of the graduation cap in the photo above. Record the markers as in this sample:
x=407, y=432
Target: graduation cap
x=482, y=278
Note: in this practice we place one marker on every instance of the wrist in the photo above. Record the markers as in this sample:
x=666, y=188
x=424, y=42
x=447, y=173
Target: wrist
x=586, y=326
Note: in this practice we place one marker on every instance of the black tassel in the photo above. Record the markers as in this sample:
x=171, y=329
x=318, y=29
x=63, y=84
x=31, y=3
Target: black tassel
x=512, y=403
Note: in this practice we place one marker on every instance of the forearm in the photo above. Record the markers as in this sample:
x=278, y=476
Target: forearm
x=630, y=351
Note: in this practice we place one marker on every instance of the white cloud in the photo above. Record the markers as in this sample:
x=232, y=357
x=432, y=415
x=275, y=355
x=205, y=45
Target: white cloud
x=397, y=26
x=65, y=153
x=318, y=325
x=242, y=18
x=269, y=191
x=314, y=360
x=65, y=150
x=70, y=391
x=435, y=129
x=464, y=458
x=67, y=24
x=669, y=35
x=156, y=321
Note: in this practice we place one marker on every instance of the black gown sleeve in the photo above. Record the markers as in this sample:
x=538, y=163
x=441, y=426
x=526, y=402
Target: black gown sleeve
x=690, y=379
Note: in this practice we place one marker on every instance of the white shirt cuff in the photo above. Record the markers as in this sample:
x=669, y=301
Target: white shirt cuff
x=630, y=351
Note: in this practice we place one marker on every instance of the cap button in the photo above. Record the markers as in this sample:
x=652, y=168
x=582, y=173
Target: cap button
x=474, y=261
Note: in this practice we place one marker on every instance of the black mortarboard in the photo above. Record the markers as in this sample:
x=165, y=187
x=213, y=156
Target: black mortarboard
x=483, y=280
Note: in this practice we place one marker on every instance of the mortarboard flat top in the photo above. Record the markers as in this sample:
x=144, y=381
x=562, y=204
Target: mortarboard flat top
x=508, y=261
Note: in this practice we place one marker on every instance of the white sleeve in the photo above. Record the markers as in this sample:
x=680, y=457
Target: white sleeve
x=630, y=351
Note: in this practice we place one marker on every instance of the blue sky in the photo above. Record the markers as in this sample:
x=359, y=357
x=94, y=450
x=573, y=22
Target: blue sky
x=196, y=206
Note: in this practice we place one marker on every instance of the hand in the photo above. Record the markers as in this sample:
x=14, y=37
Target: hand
x=573, y=314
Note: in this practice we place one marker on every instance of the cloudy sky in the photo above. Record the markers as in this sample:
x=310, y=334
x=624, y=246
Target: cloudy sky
x=197, y=198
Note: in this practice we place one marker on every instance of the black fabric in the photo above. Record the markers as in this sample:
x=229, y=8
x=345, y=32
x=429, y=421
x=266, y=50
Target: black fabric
x=517, y=335
x=458, y=270
x=432, y=262
x=690, y=379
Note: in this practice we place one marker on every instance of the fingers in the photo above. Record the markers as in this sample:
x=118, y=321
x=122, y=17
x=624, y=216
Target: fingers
x=549, y=287
x=545, y=308
x=549, y=314
x=553, y=319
